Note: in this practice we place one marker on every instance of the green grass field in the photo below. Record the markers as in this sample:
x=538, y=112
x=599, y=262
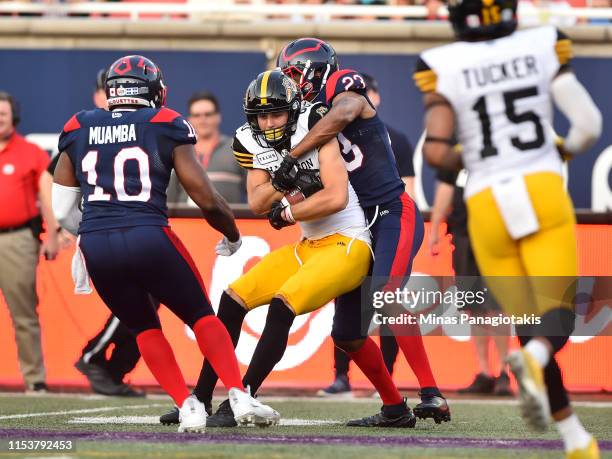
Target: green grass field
x=118, y=428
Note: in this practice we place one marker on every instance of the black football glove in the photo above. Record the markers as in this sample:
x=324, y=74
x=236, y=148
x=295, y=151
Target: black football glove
x=275, y=216
x=308, y=181
x=285, y=175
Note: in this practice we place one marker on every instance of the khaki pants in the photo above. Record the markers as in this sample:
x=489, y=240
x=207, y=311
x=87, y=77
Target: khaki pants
x=18, y=260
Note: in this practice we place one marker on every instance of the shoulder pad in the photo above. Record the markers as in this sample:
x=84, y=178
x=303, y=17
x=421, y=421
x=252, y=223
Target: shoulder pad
x=424, y=77
x=344, y=81
x=242, y=156
x=165, y=115
x=73, y=123
x=563, y=48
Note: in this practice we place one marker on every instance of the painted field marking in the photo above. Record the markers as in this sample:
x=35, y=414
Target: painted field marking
x=155, y=420
x=81, y=411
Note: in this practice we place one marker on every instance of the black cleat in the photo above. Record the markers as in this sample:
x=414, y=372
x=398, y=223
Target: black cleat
x=125, y=390
x=433, y=405
x=224, y=417
x=171, y=417
x=482, y=384
x=502, y=385
x=99, y=378
x=399, y=416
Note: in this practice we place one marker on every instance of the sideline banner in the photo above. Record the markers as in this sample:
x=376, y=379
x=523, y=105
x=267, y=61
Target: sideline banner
x=69, y=320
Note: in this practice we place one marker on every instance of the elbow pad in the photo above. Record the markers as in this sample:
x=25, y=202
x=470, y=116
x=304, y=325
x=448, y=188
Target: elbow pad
x=65, y=202
x=577, y=105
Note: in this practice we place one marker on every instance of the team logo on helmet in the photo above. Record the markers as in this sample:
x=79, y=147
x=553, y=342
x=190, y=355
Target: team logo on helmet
x=291, y=88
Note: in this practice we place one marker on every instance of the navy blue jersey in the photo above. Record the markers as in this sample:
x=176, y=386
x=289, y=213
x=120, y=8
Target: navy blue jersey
x=366, y=147
x=123, y=160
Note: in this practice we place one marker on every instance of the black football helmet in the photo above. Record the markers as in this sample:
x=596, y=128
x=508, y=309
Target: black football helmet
x=475, y=20
x=309, y=62
x=135, y=81
x=272, y=92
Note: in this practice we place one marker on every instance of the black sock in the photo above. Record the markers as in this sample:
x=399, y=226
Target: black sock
x=271, y=345
x=557, y=395
x=231, y=314
x=558, y=325
x=341, y=362
x=389, y=349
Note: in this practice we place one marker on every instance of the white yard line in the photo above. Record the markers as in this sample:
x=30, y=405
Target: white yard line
x=85, y=410
x=155, y=420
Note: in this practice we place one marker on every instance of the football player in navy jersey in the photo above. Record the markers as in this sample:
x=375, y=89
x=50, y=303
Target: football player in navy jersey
x=396, y=224
x=120, y=161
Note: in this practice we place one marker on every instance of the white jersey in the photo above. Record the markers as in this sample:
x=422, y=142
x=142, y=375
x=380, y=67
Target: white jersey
x=500, y=92
x=349, y=222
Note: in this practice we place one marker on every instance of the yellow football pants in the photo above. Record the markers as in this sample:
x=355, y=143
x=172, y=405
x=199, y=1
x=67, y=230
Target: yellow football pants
x=307, y=275
x=551, y=251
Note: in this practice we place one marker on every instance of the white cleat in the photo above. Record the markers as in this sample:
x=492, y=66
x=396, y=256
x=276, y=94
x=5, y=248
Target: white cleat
x=192, y=415
x=248, y=410
x=532, y=390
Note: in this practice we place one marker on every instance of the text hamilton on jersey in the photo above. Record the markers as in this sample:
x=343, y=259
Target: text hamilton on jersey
x=517, y=68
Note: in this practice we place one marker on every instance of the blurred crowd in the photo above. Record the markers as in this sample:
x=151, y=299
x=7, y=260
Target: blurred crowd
x=532, y=12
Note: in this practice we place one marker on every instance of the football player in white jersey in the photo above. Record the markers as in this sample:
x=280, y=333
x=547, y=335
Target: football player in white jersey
x=494, y=88
x=333, y=256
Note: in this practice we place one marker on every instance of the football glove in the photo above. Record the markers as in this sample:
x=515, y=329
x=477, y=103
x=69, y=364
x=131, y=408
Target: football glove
x=308, y=181
x=227, y=248
x=276, y=216
x=285, y=175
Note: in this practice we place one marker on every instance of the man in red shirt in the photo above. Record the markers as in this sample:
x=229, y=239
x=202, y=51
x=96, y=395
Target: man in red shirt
x=25, y=194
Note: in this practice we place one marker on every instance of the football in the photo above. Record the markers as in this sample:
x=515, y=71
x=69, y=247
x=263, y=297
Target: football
x=294, y=196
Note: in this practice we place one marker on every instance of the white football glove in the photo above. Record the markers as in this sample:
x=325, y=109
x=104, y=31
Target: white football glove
x=225, y=248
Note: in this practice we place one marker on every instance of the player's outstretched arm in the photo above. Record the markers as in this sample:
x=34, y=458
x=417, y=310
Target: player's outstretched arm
x=347, y=106
x=334, y=195
x=260, y=192
x=440, y=125
x=192, y=176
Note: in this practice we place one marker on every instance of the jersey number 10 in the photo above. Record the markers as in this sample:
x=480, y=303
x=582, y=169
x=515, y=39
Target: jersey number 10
x=510, y=97
x=125, y=154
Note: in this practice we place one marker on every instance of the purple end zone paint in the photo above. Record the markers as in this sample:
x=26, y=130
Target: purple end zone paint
x=240, y=438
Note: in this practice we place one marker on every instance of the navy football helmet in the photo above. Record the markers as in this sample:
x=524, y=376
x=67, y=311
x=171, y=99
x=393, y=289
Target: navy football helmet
x=309, y=62
x=135, y=81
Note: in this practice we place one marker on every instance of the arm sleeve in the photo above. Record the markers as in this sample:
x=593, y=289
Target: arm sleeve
x=65, y=201
x=576, y=104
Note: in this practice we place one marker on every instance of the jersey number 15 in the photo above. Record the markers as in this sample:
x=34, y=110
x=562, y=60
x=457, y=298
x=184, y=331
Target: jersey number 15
x=510, y=97
x=125, y=154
